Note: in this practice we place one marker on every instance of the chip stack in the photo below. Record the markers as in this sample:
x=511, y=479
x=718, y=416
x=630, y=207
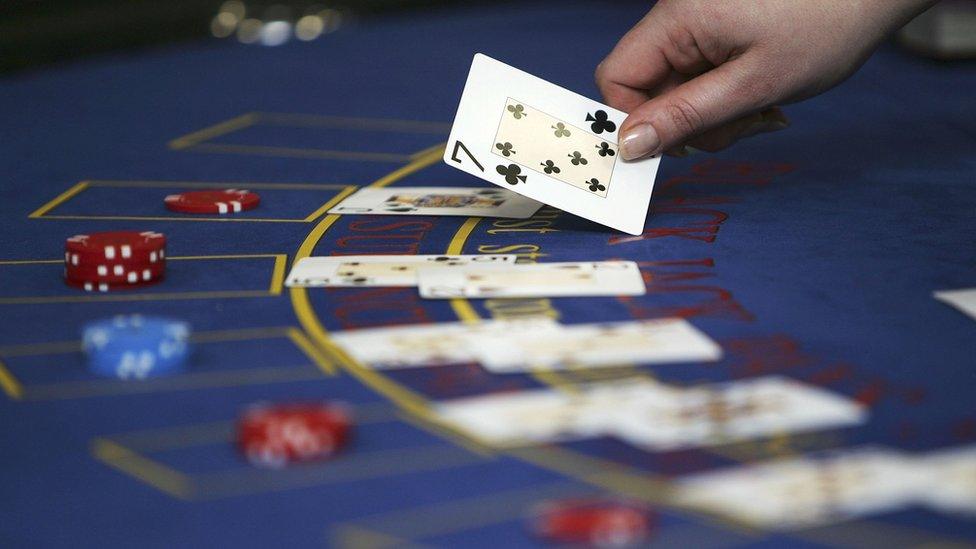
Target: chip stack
x=114, y=260
x=136, y=346
x=276, y=435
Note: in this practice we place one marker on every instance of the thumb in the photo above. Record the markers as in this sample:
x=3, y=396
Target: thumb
x=723, y=94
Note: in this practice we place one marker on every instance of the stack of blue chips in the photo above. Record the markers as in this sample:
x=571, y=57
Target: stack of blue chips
x=136, y=346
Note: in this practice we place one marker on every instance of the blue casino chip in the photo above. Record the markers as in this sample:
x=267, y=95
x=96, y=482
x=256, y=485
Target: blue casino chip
x=136, y=346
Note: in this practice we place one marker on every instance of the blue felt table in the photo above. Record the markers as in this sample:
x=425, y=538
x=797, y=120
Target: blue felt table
x=812, y=254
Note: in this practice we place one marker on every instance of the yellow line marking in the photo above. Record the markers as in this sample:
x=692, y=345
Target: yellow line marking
x=133, y=297
x=171, y=218
x=9, y=383
x=324, y=363
x=343, y=469
x=355, y=123
x=210, y=132
x=119, y=183
x=171, y=258
x=456, y=246
x=58, y=200
x=278, y=274
x=437, y=149
x=447, y=432
x=355, y=537
x=416, y=165
x=331, y=203
x=154, y=474
x=295, y=152
x=182, y=382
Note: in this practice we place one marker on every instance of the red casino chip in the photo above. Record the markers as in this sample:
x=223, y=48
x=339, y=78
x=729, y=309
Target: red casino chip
x=117, y=273
x=598, y=523
x=213, y=202
x=273, y=436
x=102, y=286
x=115, y=246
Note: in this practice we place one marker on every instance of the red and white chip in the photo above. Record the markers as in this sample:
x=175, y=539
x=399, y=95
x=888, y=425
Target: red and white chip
x=114, y=246
x=275, y=435
x=222, y=201
x=596, y=522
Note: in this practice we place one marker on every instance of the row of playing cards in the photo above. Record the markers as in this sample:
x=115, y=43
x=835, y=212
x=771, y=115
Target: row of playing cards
x=511, y=346
x=651, y=415
x=808, y=491
x=471, y=276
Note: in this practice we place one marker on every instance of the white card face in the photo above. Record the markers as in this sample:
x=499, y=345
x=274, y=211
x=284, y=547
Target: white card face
x=603, y=278
x=516, y=418
x=429, y=344
x=550, y=144
x=378, y=270
x=740, y=410
x=803, y=492
x=464, y=201
x=964, y=300
x=951, y=480
x=658, y=341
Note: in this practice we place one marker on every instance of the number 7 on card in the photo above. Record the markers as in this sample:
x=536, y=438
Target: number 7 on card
x=547, y=143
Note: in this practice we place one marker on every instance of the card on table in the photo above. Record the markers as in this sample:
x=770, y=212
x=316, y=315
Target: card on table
x=657, y=341
x=964, y=300
x=723, y=413
x=600, y=278
x=807, y=491
x=429, y=344
x=550, y=144
x=464, y=201
x=378, y=270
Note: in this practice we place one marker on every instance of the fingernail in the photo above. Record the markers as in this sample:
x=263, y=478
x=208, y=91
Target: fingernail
x=639, y=141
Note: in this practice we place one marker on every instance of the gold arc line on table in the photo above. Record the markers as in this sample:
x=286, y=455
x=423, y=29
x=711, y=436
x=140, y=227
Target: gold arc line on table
x=331, y=203
x=9, y=383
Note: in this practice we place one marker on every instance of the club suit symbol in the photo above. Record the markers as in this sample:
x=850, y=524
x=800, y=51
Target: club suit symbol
x=512, y=173
x=595, y=185
x=600, y=122
x=561, y=130
x=518, y=111
x=505, y=148
x=550, y=167
x=603, y=149
x=577, y=159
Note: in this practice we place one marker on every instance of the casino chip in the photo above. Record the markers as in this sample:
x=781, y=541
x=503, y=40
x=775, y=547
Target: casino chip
x=212, y=202
x=136, y=346
x=114, y=260
x=273, y=436
x=594, y=522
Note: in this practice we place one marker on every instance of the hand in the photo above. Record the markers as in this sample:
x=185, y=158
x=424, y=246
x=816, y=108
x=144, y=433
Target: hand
x=706, y=73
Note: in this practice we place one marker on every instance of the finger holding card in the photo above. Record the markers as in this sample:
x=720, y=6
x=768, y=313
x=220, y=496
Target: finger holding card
x=547, y=143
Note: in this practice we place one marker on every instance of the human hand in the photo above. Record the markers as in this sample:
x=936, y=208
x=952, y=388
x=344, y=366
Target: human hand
x=706, y=73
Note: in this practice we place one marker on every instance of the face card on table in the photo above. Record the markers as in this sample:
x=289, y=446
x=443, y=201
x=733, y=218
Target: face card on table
x=552, y=145
x=601, y=278
x=462, y=201
x=378, y=270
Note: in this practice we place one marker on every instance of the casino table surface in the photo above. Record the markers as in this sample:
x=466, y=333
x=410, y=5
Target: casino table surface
x=811, y=254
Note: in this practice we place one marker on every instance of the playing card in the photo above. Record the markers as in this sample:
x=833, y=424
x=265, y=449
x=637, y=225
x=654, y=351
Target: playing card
x=378, y=270
x=951, y=480
x=602, y=278
x=575, y=346
x=547, y=143
x=515, y=418
x=428, y=344
x=806, y=491
x=964, y=300
x=723, y=413
x=465, y=201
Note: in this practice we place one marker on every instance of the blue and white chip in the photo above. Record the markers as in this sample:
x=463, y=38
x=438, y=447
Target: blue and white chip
x=136, y=346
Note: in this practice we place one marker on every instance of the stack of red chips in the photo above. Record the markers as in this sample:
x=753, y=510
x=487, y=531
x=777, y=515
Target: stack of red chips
x=114, y=260
x=274, y=436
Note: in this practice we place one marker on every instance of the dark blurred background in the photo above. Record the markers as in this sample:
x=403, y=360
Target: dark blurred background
x=38, y=32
